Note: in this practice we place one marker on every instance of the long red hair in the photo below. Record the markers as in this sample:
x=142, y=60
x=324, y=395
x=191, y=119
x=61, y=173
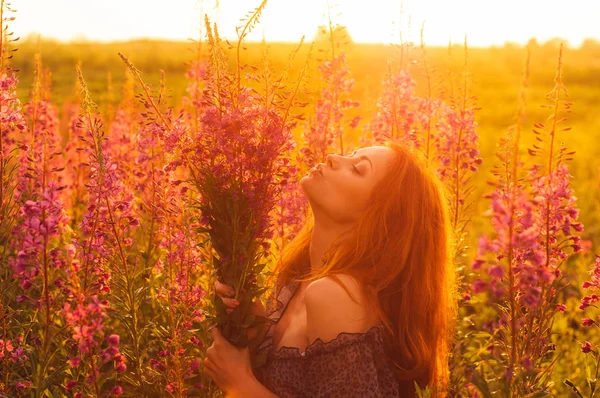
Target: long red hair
x=400, y=253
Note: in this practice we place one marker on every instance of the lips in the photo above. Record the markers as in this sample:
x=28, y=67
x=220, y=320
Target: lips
x=318, y=168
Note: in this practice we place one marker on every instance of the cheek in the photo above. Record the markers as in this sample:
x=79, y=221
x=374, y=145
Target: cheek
x=349, y=195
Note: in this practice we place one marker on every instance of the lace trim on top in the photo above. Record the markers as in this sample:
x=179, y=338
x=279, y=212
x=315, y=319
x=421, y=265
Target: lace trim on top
x=318, y=346
x=275, y=309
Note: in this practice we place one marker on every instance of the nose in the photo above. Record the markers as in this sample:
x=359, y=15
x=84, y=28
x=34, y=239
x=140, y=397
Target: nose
x=332, y=160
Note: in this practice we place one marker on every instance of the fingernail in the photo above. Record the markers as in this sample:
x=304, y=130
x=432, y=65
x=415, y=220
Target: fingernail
x=229, y=310
x=232, y=292
x=236, y=302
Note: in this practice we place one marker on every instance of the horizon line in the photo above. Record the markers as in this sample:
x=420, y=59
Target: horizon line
x=33, y=36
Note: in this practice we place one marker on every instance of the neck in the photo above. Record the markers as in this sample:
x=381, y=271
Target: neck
x=322, y=237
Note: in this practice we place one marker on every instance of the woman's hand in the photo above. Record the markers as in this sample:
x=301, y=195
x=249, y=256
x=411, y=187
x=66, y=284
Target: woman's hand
x=226, y=293
x=228, y=366
x=257, y=308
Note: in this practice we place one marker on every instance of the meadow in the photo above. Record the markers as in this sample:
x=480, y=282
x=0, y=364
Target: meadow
x=495, y=78
x=156, y=334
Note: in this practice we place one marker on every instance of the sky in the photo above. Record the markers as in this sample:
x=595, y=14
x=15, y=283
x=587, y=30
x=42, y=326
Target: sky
x=485, y=22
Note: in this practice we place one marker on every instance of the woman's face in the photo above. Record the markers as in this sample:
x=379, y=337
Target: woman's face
x=340, y=189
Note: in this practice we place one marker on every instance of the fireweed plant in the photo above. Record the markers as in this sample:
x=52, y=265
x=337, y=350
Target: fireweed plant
x=108, y=249
x=75, y=170
x=174, y=249
x=12, y=124
x=235, y=163
x=324, y=131
x=180, y=264
x=588, y=348
x=452, y=134
x=239, y=161
x=535, y=223
x=38, y=262
x=291, y=204
x=445, y=132
x=98, y=253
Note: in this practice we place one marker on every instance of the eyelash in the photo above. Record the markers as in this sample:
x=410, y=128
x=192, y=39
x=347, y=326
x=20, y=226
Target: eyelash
x=353, y=166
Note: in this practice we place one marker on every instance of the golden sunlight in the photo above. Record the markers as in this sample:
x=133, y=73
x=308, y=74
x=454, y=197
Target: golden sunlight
x=377, y=21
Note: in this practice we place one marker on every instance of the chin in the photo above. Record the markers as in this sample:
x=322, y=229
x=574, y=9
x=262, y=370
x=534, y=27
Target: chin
x=304, y=181
x=308, y=187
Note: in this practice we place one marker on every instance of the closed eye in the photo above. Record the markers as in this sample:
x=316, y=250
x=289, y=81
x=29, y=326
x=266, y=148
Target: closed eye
x=361, y=158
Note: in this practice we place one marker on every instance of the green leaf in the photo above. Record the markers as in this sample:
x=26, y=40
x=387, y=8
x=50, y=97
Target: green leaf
x=481, y=384
x=573, y=387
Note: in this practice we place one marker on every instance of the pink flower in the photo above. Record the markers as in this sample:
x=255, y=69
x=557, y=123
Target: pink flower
x=119, y=358
x=196, y=341
x=195, y=365
x=398, y=112
x=71, y=384
x=325, y=132
x=587, y=322
x=74, y=362
x=477, y=263
x=22, y=386
x=41, y=220
x=586, y=347
x=85, y=322
x=496, y=272
x=113, y=340
x=156, y=364
x=8, y=346
x=479, y=286
x=117, y=390
x=112, y=351
x=527, y=363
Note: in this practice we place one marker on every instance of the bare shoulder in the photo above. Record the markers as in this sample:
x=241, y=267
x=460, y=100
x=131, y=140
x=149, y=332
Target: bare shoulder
x=330, y=310
x=329, y=287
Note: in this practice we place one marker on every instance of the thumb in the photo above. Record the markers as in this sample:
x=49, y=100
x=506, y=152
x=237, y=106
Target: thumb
x=216, y=333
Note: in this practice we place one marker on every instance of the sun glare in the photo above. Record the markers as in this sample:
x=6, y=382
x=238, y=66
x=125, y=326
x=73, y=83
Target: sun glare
x=485, y=22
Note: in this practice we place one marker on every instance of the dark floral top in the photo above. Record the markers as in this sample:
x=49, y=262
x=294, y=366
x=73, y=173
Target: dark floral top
x=351, y=365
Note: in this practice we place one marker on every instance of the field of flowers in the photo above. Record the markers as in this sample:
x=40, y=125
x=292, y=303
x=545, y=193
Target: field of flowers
x=117, y=186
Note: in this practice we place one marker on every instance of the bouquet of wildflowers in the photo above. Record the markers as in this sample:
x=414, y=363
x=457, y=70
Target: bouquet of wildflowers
x=233, y=147
x=237, y=162
x=236, y=159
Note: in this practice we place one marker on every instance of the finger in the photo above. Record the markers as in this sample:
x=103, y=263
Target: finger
x=224, y=290
x=214, y=376
x=216, y=333
x=209, y=372
x=229, y=302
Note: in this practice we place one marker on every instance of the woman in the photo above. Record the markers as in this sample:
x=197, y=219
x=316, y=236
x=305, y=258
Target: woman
x=364, y=296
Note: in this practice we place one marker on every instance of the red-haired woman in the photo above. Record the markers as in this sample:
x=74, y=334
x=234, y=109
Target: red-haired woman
x=363, y=302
